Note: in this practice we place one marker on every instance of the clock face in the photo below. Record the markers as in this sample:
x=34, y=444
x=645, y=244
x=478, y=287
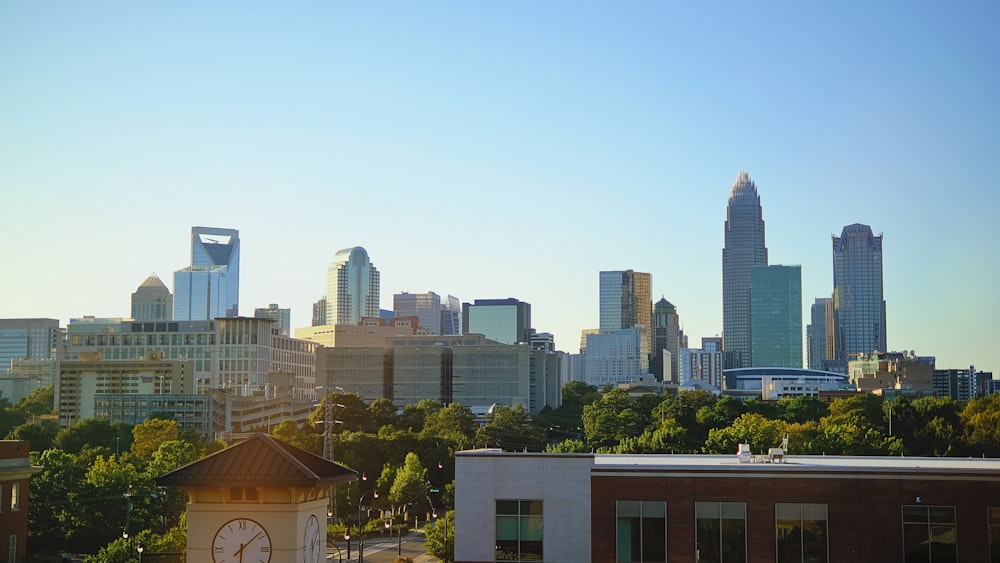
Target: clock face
x=241, y=541
x=311, y=541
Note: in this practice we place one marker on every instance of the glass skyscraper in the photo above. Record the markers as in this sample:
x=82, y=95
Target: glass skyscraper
x=210, y=287
x=424, y=306
x=858, y=298
x=352, y=287
x=776, y=316
x=626, y=301
x=507, y=321
x=744, y=249
x=32, y=339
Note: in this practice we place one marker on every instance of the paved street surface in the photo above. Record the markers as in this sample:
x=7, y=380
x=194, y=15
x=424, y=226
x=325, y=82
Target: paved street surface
x=383, y=550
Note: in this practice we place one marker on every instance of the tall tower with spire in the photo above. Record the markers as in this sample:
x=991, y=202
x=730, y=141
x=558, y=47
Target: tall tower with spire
x=744, y=248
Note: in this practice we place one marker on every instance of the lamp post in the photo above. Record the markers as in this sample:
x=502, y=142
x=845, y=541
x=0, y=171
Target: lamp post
x=128, y=546
x=347, y=538
x=361, y=525
x=140, y=550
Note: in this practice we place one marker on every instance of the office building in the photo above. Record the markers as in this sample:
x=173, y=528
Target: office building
x=28, y=339
x=711, y=343
x=368, y=332
x=616, y=356
x=626, y=301
x=352, y=287
x=25, y=376
x=858, y=297
x=962, y=384
x=744, y=249
x=319, y=313
x=152, y=301
x=776, y=316
x=282, y=317
x=210, y=287
x=507, y=321
x=819, y=334
x=451, y=316
x=703, y=365
x=666, y=337
x=468, y=369
x=762, y=506
x=425, y=306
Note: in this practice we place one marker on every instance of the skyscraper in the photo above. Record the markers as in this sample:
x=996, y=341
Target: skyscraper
x=210, y=287
x=858, y=297
x=744, y=249
x=626, y=301
x=817, y=334
x=776, y=316
x=28, y=339
x=424, y=306
x=352, y=287
x=152, y=301
x=666, y=336
x=507, y=321
x=282, y=317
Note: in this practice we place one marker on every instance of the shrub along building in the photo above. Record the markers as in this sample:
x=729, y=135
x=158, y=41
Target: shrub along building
x=657, y=508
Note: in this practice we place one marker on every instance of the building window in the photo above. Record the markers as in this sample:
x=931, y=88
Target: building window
x=641, y=531
x=929, y=534
x=720, y=532
x=12, y=549
x=15, y=497
x=801, y=533
x=519, y=530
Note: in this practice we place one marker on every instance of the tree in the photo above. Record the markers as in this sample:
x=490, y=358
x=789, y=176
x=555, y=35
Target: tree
x=510, y=428
x=575, y=396
x=454, y=422
x=981, y=417
x=441, y=537
x=302, y=437
x=383, y=412
x=57, y=493
x=38, y=402
x=109, y=437
x=802, y=408
x=414, y=416
x=410, y=484
x=150, y=433
x=751, y=428
x=568, y=447
x=40, y=435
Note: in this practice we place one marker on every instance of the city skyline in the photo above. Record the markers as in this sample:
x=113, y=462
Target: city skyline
x=495, y=151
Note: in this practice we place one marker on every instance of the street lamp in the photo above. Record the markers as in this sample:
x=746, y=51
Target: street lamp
x=361, y=525
x=140, y=549
x=347, y=538
x=127, y=544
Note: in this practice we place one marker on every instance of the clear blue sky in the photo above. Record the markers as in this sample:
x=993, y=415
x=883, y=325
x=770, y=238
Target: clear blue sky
x=503, y=149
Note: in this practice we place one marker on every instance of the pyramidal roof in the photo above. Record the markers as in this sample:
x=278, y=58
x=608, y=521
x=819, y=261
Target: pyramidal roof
x=259, y=461
x=153, y=281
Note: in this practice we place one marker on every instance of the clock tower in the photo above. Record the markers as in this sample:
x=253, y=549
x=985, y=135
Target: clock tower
x=258, y=501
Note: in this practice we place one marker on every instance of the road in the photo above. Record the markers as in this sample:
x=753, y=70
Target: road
x=384, y=550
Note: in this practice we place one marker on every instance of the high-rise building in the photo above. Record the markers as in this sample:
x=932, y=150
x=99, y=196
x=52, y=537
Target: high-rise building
x=152, y=301
x=817, y=334
x=319, y=312
x=666, y=336
x=626, y=301
x=210, y=287
x=507, y=321
x=616, y=356
x=425, y=306
x=858, y=297
x=744, y=249
x=352, y=287
x=32, y=339
x=282, y=317
x=451, y=316
x=776, y=316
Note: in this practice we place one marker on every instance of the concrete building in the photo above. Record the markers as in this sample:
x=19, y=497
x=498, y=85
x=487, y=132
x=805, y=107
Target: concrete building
x=963, y=384
x=91, y=378
x=282, y=317
x=152, y=301
x=744, y=248
x=601, y=507
x=32, y=339
x=468, y=369
x=616, y=356
x=369, y=331
x=507, y=321
x=892, y=370
x=210, y=287
x=701, y=365
x=425, y=306
x=666, y=342
x=352, y=287
x=858, y=296
x=25, y=376
x=776, y=316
